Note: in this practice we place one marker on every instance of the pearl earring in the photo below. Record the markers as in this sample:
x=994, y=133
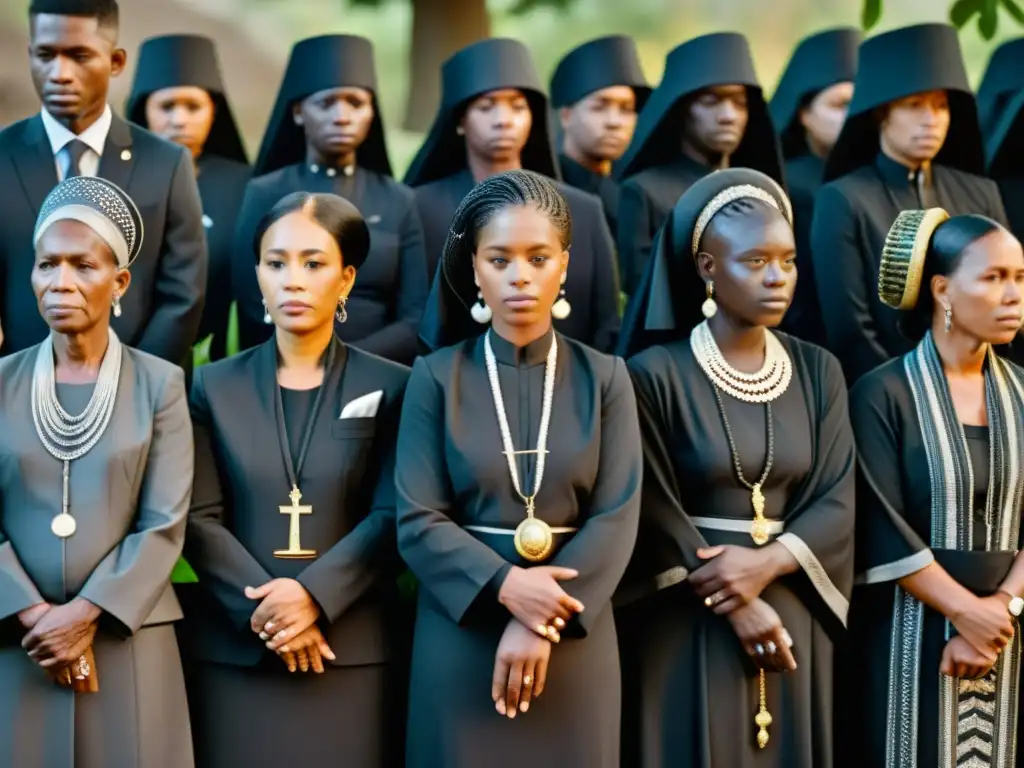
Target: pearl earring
x=266, y=314
x=342, y=314
x=949, y=319
x=561, y=309
x=460, y=130
x=116, y=305
x=480, y=311
x=709, y=307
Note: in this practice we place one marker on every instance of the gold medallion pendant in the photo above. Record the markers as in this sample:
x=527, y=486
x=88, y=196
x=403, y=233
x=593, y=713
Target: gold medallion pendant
x=759, y=527
x=534, y=539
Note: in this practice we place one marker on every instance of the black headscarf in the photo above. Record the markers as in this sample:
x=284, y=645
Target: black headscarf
x=1004, y=76
x=488, y=65
x=704, y=62
x=172, y=61
x=317, y=64
x=819, y=62
x=667, y=304
x=596, y=64
x=898, y=64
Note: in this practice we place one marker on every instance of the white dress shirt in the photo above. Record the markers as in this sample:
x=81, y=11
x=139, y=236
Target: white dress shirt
x=94, y=137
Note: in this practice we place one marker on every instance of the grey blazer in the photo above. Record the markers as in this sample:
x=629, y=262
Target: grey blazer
x=130, y=496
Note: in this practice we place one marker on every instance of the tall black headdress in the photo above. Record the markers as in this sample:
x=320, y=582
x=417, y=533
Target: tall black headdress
x=317, y=64
x=1005, y=147
x=668, y=302
x=488, y=65
x=103, y=207
x=1004, y=76
x=898, y=64
x=596, y=64
x=171, y=61
x=704, y=62
x=819, y=62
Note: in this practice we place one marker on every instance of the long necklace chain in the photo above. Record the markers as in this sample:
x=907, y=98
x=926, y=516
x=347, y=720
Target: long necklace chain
x=770, y=458
x=762, y=386
x=545, y=418
x=64, y=436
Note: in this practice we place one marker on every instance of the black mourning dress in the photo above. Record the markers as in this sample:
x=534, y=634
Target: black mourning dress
x=451, y=474
x=386, y=302
x=894, y=534
x=247, y=708
x=690, y=691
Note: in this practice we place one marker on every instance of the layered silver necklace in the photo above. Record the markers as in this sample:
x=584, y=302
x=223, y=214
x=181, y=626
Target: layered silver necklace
x=66, y=437
x=534, y=538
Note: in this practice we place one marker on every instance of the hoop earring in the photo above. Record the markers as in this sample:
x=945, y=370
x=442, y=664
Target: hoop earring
x=480, y=311
x=116, y=305
x=561, y=309
x=709, y=307
x=949, y=319
x=267, y=319
x=341, y=315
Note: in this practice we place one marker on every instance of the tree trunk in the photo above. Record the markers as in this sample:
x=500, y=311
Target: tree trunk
x=439, y=29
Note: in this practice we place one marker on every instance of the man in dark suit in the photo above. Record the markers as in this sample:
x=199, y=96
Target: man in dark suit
x=73, y=53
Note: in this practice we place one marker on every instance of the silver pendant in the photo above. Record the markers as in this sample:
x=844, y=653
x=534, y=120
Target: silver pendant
x=63, y=525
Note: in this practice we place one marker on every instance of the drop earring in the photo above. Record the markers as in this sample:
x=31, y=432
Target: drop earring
x=949, y=318
x=709, y=307
x=561, y=309
x=116, y=305
x=266, y=314
x=342, y=313
x=460, y=131
x=480, y=311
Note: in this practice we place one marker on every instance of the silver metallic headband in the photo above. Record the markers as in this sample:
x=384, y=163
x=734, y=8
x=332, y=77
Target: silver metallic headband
x=729, y=195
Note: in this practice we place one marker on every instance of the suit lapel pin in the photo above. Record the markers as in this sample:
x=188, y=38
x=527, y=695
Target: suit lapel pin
x=126, y=154
x=207, y=221
x=374, y=219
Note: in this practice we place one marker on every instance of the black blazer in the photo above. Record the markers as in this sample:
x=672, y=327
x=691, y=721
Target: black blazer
x=161, y=310
x=221, y=188
x=234, y=524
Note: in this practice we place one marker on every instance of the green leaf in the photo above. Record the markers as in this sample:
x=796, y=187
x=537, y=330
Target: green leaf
x=201, y=352
x=870, y=14
x=962, y=11
x=525, y=6
x=231, y=347
x=988, y=21
x=183, y=573
x=1014, y=10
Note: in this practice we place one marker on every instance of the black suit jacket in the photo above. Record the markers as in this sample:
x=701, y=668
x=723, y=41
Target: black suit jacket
x=161, y=310
x=235, y=525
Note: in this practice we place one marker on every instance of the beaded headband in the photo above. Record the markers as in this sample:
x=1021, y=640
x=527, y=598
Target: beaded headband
x=729, y=195
x=906, y=245
x=102, y=206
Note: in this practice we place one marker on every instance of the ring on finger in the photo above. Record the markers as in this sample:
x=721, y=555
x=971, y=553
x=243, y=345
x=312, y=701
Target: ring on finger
x=759, y=649
x=541, y=629
x=712, y=600
x=771, y=648
x=528, y=680
x=553, y=635
x=559, y=623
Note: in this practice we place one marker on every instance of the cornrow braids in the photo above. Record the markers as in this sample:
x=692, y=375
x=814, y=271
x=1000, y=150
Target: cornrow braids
x=739, y=207
x=483, y=202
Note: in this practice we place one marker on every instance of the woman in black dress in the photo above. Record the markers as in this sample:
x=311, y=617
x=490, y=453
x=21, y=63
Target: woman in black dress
x=910, y=140
x=326, y=134
x=291, y=529
x=744, y=561
x=178, y=93
x=940, y=444
x=708, y=113
x=494, y=117
x=808, y=109
x=491, y=425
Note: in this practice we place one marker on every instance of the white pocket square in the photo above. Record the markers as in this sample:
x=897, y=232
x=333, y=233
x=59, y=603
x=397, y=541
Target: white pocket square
x=364, y=407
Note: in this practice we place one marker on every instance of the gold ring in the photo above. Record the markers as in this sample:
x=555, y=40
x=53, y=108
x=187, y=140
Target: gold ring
x=528, y=680
x=707, y=602
x=541, y=629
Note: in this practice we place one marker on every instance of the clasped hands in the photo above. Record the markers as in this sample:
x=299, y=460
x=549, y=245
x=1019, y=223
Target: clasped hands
x=541, y=609
x=58, y=637
x=984, y=627
x=731, y=583
x=285, y=620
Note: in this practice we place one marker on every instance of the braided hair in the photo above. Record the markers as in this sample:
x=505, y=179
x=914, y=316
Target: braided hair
x=736, y=209
x=484, y=201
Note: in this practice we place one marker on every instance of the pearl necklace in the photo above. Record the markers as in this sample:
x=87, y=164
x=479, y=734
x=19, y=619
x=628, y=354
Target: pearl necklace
x=762, y=386
x=66, y=437
x=534, y=538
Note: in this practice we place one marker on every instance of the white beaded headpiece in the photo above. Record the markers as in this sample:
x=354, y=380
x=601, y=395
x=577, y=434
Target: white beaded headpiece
x=102, y=206
x=729, y=195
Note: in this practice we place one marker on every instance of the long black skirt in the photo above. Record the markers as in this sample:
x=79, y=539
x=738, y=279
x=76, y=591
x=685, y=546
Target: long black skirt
x=253, y=716
x=452, y=720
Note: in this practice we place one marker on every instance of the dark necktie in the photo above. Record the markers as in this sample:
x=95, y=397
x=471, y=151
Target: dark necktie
x=76, y=150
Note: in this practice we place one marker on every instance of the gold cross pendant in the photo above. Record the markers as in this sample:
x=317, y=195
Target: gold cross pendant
x=295, y=512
